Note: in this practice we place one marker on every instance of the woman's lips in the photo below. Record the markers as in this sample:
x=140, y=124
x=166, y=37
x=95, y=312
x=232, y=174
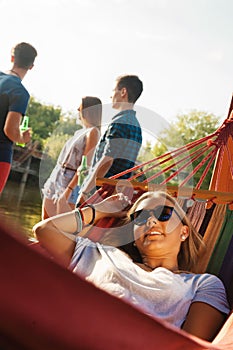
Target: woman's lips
x=153, y=233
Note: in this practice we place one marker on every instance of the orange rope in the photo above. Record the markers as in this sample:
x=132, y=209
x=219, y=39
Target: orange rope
x=206, y=170
x=213, y=152
x=218, y=139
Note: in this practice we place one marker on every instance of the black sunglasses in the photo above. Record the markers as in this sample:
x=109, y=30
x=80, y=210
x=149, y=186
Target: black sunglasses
x=161, y=213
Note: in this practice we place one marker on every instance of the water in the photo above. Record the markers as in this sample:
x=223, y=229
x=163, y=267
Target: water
x=21, y=216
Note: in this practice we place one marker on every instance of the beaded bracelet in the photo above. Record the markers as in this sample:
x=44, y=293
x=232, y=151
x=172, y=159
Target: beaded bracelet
x=93, y=213
x=79, y=220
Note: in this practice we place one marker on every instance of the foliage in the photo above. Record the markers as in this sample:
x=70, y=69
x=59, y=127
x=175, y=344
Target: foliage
x=66, y=126
x=43, y=120
x=189, y=127
x=51, y=128
x=146, y=155
x=185, y=129
x=64, y=130
x=54, y=145
x=47, y=120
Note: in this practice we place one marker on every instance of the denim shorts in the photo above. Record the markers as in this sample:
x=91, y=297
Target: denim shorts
x=74, y=195
x=57, y=182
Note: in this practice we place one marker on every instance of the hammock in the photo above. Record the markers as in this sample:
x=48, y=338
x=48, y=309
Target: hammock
x=44, y=306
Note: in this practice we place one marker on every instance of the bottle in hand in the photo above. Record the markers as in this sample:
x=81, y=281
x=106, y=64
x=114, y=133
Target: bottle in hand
x=83, y=171
x=23, y=127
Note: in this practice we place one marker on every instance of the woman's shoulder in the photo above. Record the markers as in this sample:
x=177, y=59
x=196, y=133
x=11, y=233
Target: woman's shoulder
x=94, y=131
x=210, y=289
x=82, y=240
x=203, y=279
x=93, y=134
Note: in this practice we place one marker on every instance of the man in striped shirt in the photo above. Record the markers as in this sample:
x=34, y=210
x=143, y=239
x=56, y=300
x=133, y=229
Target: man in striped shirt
x=118, y=148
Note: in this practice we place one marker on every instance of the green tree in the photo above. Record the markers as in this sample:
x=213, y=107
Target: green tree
x=185, y=129
x=43, y=119
x=64, y=130
x=67, y=125
x=51, y=128
x=189, y=127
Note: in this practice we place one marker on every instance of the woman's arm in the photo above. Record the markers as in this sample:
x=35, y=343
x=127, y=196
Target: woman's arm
x=92, y=139
x=54, y=233
x=204, y=321
x=100, y=169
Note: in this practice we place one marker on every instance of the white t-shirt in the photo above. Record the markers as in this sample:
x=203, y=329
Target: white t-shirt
x=159, y=293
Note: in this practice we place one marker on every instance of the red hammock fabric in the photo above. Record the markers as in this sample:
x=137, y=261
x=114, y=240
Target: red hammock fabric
x=44, y=306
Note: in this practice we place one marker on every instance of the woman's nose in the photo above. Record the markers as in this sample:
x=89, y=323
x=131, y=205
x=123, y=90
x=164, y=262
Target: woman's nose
x=151, y=220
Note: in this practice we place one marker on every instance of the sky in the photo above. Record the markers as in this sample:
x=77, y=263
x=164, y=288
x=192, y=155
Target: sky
x=182, y=50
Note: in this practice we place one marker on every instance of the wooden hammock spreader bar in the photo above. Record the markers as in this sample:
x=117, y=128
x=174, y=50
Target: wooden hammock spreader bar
x=181, y=192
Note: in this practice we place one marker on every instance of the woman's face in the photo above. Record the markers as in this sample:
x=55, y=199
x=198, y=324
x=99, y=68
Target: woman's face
x=80, y=113
x=158, y=229
x=81, y=116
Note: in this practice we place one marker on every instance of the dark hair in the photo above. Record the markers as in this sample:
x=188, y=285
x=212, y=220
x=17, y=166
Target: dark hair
x=24, y=55
x=94, y=107
x=133, y=86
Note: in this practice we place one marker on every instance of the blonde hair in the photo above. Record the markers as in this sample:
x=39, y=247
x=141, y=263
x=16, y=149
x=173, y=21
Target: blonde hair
x=188, y=254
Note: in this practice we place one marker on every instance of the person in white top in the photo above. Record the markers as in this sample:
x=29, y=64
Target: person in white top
x=153, y=266
x=60, y=190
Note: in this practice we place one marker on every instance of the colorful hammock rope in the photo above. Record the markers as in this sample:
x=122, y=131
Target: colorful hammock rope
x=203, y=150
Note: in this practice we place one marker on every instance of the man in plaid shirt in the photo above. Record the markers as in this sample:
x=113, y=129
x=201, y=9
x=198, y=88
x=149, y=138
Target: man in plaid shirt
x=118, y=148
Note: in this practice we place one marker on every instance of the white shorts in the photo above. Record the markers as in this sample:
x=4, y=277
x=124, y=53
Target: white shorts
x=57, y=182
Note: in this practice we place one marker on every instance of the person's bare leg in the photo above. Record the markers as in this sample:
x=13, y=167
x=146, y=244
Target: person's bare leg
x=48, y=208
x=63, y=206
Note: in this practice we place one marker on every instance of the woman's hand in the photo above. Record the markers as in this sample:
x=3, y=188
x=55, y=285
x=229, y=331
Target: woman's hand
x=115, y=206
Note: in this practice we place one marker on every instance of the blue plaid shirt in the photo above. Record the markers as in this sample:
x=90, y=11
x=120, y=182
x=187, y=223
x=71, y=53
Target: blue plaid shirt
x=121, y=141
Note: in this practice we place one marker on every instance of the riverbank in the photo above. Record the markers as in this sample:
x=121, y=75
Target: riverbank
x=24, y=215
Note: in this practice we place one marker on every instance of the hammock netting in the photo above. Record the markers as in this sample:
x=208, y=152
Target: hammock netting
x=44, y=306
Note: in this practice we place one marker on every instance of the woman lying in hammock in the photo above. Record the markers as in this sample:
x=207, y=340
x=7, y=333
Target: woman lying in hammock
x=154, y=272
